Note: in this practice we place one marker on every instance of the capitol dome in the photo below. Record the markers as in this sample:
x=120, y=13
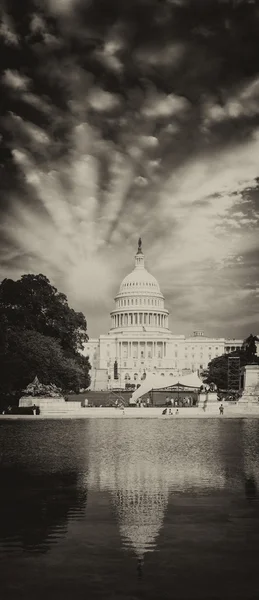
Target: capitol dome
x=139, y=302
x=139, y=280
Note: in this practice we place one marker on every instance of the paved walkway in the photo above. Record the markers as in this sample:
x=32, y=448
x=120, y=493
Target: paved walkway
x=142, y=413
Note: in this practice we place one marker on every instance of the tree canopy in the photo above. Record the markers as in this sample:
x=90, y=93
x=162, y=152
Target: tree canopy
x=218, y=367
x=33, y=303
x=40, y=335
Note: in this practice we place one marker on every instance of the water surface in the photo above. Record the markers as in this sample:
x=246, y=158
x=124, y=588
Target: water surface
x=128, y=510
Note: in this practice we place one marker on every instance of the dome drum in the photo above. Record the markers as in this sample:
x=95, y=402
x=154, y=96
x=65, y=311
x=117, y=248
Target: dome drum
x=138, y=318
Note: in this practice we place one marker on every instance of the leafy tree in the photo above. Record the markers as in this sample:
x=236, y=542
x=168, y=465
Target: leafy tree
x=218, y=367
x=33, y=303
x=40, y=335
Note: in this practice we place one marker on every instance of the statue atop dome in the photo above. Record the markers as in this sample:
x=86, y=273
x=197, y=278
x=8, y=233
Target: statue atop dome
x=139, y=246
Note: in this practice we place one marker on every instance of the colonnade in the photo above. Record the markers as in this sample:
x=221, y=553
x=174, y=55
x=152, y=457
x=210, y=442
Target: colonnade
x=139, y=318
x=136, y=350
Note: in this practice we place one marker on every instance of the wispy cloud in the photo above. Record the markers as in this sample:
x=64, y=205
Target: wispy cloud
x=111, y=132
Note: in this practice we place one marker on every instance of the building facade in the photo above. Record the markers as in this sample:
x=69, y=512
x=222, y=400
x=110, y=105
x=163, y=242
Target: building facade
x=140, y=341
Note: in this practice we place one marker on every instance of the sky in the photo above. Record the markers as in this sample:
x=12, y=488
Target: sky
x=128, y=118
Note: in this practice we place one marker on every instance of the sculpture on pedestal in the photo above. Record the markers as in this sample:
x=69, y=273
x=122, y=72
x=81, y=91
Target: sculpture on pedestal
x=37, y=389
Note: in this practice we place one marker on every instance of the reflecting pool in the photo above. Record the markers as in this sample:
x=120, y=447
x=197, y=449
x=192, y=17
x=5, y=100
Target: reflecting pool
x=128, y=510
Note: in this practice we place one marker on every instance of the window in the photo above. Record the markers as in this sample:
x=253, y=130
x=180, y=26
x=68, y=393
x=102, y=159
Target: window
x=125, y=364
x=142, y=354
x=135, y=376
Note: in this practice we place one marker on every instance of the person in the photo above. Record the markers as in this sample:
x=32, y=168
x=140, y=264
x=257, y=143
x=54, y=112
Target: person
x=34, y=408
x=221, y=409
x=177, y=412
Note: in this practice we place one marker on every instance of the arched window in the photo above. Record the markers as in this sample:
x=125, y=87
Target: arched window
x=127, y=377
x=135, y=376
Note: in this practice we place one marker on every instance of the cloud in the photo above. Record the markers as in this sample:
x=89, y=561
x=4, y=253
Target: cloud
x=63, y=7
x=168, y=54
x=244, y=103
x=134, y=121
x=162, y=105
x=15, y=80
x=100, y=100
x=7, y=31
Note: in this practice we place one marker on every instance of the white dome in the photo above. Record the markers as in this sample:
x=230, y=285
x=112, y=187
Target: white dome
x=139, y=280
x=139, y=302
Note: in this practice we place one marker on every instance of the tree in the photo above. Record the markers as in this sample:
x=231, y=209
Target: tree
x=40, y=335
x=218, y=367
x=33, y=303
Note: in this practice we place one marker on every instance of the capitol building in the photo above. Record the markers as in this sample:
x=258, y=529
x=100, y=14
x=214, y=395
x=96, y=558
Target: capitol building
x=139, y=340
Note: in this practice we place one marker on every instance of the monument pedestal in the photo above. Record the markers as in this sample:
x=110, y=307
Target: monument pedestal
x=212, y=403
x=50, y=406
x=250, y=396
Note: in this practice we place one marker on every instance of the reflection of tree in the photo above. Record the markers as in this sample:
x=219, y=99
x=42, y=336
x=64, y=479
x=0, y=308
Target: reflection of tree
x=250, y=488
x=35, y=507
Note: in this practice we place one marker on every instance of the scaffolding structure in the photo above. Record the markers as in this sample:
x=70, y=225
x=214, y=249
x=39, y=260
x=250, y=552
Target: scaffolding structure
x=233, y=373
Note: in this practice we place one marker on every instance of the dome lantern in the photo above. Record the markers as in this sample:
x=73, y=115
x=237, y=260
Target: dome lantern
x=139, y=257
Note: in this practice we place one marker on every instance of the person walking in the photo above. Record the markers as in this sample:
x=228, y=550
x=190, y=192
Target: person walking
x=221, y=409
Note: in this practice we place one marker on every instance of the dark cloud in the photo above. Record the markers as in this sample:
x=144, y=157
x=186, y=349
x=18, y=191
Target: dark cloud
x=144, y=89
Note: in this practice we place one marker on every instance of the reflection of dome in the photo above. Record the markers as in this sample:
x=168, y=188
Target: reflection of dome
x=140, y=513
x=141, y=466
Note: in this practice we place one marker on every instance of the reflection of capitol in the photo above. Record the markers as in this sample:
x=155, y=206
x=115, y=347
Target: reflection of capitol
x=140, y=469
